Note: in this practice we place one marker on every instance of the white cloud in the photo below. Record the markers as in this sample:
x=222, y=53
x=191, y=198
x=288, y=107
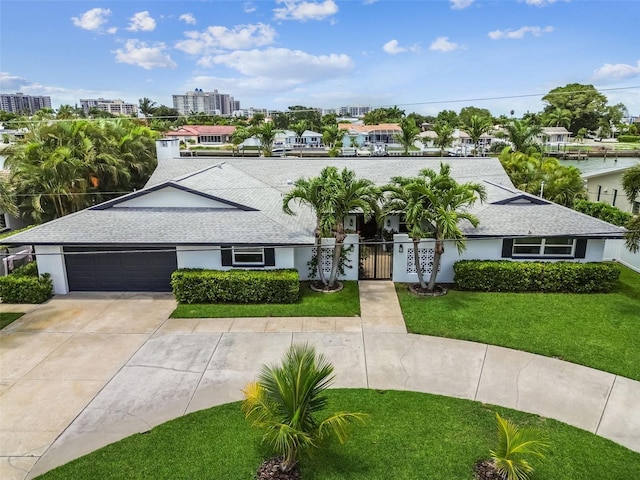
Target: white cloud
x=540, y=3
x=92, y=19
x=142, y=21
x=617, y=71
x=283, y=64
x=216, y=39
x=520, y=33
x=460, y=4
x=392, y=47
x=143, y=55
x=112, y=30
x=442, y=44
x=248, y=7
x=9, y=83
x=302, y=10
x=188, y=18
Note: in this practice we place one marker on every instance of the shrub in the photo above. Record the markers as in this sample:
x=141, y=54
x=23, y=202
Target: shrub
x=603, y=211
x=629, y=138
x=508, y=276
x=26, y=289
x=236, y=286
x=28, y=270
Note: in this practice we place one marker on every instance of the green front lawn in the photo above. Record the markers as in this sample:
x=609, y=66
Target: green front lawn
x=408, y=435
x=345, y=303
x=597, y=330
x=6, y=318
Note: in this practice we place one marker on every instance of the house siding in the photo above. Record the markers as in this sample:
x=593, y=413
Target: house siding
x=50, y=260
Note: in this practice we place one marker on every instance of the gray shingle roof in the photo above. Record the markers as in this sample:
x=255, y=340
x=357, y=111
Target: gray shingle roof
x=260, y=184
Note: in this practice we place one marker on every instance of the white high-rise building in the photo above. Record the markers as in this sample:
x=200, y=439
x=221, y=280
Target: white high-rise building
x=23, y=104
x=115, y=107
x=212, y=103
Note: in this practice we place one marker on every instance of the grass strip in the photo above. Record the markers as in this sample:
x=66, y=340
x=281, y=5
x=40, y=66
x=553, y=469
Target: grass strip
x=345, y=303
x=407, y=435
x=597, y=330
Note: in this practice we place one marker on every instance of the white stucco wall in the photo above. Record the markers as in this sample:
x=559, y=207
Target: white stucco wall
x=477, y=249
x=211, y=258
x=391, y=222
x=51, y=260
x=171, y=197
x=615, y=250
x=302, y=256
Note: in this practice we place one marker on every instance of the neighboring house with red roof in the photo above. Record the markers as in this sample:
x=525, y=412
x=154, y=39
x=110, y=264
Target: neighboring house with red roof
x=203, y=134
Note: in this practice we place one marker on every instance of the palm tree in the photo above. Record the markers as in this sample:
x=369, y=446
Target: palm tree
x=7, y=199
x=299, y=128
x=631, y=187
x=66, y=112
x=514, y=444
x=444, y=132
x=333, y=195
x=266, y=134
x=239, y=135
x=287, y=401
x=433, y=204
x=147, y=107
x=523, y=135
x=408, y=134
x=477, y=127
x=332, y=137
x=558, y=117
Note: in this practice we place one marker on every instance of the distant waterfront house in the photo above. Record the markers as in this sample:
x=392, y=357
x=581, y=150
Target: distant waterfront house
x=606, y=186
x=370, y=134
x=554, y=135
x=203, y=134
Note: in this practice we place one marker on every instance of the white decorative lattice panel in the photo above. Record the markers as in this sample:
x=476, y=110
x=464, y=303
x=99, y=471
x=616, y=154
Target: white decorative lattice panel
x=426, y=260
x=327, y=258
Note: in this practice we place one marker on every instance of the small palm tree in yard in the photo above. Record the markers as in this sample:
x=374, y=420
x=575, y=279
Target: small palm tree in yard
x=509, y=459
x=287, y=402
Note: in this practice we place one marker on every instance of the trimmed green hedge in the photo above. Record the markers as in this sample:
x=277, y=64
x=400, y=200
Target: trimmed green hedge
x=28, y=270
x=603, y=211
x=629, y=138
x=26, y=289
x=236, y=286
x=508, y=276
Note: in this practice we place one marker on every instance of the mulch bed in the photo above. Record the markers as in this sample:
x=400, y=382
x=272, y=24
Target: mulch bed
x=437, y=291
x=486, y=470
x=270, y=470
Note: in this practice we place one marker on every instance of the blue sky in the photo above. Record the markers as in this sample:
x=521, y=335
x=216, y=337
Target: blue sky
x=419, y=55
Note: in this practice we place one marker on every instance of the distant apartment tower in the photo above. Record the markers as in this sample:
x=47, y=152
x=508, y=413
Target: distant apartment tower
x=212, y=103
x=115, y=107
x=23, y=104
x=357, y=111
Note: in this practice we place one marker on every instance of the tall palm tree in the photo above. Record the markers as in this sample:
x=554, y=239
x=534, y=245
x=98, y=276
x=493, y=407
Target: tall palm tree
x=66, y=112
x=147, y=107
x=408, y=135
x=444, y=136
x=266, y=134
x=7, y=199
x=299, y=128
x=332, y=136
x=477, y=127
x=333, y=195
x=631, y=187
x=288, y=401
x=523, y=135
x=433, y=204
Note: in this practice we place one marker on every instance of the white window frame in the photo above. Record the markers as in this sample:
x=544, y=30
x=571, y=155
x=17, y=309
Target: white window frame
x=247, y=251
x=542, y=245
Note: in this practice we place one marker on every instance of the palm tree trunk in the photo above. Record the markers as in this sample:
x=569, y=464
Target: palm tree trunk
x=339, y=236
x=319, y=266
x=416, y=262
x=438, y=251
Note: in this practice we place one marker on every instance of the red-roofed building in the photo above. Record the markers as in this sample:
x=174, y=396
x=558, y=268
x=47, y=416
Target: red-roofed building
x=203, y=134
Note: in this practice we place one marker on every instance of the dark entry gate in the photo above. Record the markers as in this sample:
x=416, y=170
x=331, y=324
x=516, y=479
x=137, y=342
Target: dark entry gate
x=376, y=261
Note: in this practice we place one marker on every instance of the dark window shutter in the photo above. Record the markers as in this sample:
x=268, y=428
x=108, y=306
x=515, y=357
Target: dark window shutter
x=507, y=247
x=227, y=258
x=581, y=248
x=269, y=257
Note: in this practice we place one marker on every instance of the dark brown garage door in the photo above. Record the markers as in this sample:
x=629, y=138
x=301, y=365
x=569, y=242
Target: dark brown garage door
x=92, y=269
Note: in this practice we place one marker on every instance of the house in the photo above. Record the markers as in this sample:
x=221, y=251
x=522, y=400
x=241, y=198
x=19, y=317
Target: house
x=605, y=185
x=227, y=213
x=369, y=134
x=551, y=135
x=203, y=134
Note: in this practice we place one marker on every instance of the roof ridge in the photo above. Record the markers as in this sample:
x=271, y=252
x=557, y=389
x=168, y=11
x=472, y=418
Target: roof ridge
x=196, y=172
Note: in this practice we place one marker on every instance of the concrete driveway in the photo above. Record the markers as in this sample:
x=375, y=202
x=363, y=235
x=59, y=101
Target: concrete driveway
x=85, y=370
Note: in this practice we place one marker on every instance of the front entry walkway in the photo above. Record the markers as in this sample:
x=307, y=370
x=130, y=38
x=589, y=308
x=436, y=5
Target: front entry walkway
x=82, y=371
